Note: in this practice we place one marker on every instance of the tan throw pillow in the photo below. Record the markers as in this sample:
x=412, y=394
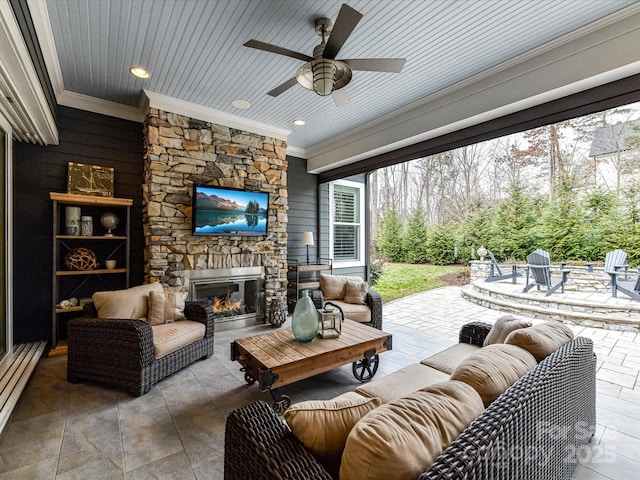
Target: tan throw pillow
x=503, y=327
x=400, y=439
x=332, y=286
x=165, y=307
x=493, y=369
x=131, y=303
x=542, y=339
x=323, y=425
x=356, y=292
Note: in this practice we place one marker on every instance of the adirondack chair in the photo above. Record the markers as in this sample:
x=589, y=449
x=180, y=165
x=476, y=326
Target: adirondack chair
x=495, y=274
x=539, y=271
x=614, y=261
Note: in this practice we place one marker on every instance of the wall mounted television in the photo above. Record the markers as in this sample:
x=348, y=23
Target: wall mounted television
x=228, y=211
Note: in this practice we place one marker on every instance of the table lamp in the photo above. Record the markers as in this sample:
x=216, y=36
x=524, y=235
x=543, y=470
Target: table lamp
x=307, y=239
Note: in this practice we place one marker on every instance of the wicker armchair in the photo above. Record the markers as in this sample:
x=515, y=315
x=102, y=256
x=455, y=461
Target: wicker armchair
x=374, y=302
x=120, y=352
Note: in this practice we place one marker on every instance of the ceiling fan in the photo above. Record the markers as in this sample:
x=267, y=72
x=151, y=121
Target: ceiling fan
x=322, y=73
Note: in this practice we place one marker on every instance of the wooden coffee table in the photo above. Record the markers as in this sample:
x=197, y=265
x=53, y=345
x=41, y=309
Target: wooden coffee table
x=277, y=359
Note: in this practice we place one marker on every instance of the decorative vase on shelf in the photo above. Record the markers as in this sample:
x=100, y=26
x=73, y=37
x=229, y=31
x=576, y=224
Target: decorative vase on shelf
x=305, y=319
x=109, y=221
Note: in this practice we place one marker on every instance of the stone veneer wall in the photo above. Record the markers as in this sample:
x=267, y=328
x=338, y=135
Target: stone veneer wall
x=181, y=151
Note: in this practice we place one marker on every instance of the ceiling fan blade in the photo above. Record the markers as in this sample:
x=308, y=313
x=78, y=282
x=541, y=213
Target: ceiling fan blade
x=376, y=64
x=283, y=88
x=340, y=97
x=347, y=20
x=267, y=47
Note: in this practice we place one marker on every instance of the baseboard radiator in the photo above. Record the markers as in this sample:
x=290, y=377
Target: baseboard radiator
x=15, y=370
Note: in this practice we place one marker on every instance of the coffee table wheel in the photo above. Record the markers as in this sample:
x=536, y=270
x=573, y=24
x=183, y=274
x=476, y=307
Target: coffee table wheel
x=365, y=369
x=279, y=406
x=247, y=377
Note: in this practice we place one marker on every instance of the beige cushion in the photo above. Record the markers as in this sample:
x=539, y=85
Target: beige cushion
x=131, y=303
x=493, y=369
x=334, y=286
x=450, y=358
x=323, y=425
x=542, y=339
x=354, y=311
x=356, y=292
x=169, y=337
x=503, y=327
x=166, y=307
x=402, y=438
x=402, y=382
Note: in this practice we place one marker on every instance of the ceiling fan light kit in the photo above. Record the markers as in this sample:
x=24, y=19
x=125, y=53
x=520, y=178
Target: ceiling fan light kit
x=322, y=73
x=324, y=76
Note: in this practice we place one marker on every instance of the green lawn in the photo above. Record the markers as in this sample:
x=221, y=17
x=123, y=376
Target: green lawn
x=402, y=279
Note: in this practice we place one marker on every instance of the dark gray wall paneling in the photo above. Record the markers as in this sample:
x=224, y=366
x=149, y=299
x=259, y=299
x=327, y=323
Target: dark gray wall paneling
x=85, y=138
x=303, y=209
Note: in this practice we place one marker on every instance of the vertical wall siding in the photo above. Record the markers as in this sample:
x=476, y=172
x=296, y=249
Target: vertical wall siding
x=85, y=137
x=303, y=209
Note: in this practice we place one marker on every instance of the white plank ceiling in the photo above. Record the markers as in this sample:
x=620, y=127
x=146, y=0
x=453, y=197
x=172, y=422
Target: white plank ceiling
x=194, y=51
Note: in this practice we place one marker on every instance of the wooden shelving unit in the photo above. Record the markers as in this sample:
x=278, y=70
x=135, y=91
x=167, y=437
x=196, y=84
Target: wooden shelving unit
x=304, y=276
x=82, y=283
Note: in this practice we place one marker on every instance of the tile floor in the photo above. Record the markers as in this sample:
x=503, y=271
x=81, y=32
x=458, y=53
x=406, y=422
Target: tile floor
x=86, y=431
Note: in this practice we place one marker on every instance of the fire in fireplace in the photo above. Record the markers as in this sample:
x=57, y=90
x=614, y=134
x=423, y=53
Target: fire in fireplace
x=236, y=294
x=227, y=305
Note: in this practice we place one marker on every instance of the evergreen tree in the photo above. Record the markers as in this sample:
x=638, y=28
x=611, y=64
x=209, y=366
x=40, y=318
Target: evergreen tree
x=562, y=228
x=601, y=226
x=627, y=235
x=513, y=233
x=415, y=238
x=389, y=238
x=441, y=244
x=477, y=226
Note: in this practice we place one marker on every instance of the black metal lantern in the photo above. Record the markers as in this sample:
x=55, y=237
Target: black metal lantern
x=331, y=318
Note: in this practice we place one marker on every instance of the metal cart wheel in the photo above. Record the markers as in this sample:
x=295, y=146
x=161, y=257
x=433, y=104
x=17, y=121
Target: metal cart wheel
x=365, y=369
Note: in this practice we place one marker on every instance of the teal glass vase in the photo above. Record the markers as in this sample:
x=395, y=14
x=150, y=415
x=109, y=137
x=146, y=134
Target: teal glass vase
x=304, y=323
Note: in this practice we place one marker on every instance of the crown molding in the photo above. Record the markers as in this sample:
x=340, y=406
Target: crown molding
x=97, y=105
x=297, y=152
x=193, y=110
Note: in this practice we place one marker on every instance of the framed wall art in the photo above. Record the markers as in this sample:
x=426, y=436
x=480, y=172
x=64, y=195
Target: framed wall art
x=85, y=179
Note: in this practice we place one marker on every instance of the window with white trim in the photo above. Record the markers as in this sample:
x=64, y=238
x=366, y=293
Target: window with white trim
x=346, y=223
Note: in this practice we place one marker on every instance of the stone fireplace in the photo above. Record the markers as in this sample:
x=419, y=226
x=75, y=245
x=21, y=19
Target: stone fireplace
x=181, y=151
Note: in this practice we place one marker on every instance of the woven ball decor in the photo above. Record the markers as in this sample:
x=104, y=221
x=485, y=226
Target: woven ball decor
x=80, y=259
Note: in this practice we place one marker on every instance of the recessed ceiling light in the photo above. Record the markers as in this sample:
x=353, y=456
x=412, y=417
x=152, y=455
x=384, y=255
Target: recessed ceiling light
x=139, y=72
x=243, y=104
x=299, y=122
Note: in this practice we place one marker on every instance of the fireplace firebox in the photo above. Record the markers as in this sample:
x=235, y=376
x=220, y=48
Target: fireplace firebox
x=235, y=294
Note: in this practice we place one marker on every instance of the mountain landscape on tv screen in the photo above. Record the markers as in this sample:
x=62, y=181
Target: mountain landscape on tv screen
x=219, y=204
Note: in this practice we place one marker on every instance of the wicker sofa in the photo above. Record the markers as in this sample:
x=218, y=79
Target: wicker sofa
x=528, y=432
x=120, y=352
